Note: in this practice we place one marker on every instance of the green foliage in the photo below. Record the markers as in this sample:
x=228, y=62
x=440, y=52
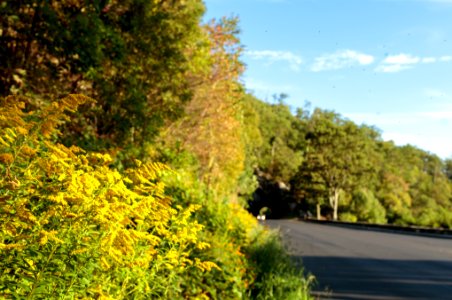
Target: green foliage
x=252, y=140
x=252, y=260
x=447, y=168
x=394, y=195
x=414, y=187
x=132, y=56
x=279, y=155
x=166, y=87
x=74, y=226
x=375, y=181
x=71, y=225
x=366, y=207
x=212, y=128
x=337, y=157
x=277, y=278
x=348, y=217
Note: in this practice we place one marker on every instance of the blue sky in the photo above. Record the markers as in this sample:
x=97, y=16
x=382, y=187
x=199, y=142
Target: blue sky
x=386, y=63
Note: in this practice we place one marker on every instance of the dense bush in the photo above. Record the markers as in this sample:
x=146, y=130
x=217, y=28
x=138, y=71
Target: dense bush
x=72, y=225
x=253, y=262
x=277, y=276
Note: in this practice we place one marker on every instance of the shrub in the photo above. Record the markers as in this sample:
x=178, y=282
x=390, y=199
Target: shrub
x=253, y=262
x=276, y=275
x=71, y=225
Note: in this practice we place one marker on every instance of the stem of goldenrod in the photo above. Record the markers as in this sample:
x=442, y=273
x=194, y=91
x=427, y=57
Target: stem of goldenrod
x=38, y=277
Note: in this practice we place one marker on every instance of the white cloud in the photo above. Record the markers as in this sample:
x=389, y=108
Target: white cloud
x=341, y=59
x=273, y=56
x=429, y=60
x=446, y=58
x=385, y=68
x=397, y=63
x=403, y=61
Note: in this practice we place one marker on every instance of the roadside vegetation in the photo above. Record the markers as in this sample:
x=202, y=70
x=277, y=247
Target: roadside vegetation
x=127, y=158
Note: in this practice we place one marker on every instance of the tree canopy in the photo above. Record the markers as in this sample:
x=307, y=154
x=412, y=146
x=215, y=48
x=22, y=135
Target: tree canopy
x=346, y=171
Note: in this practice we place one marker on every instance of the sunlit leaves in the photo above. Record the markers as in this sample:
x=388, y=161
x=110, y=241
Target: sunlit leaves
x=132, y=56
x=212, y=127
x=71, y=224
x=338, y=156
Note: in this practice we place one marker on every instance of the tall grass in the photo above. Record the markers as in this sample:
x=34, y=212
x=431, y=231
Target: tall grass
x=277, y=275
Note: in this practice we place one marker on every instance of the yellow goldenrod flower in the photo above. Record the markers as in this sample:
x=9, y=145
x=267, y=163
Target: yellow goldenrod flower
x=2, y=141
x=6, y=158
x=79, y=251
x=28, y=151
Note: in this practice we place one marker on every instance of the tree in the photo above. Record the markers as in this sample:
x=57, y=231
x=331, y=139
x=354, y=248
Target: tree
x=413, y=186
x=367, y=208
x=337, y=156
x=132, y=56
x=279, y=155
x=308, y=185
x=213, y=125
x=447, y=169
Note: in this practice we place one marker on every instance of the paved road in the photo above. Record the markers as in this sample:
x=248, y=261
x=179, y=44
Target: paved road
x=364, y=264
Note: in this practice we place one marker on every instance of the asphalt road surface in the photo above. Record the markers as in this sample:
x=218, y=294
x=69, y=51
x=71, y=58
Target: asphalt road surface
x=364, y=264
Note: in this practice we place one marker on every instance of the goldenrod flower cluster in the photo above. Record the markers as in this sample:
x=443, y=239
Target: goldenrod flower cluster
x=71, y=226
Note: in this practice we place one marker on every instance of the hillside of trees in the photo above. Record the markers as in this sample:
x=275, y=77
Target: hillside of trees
x=131, y=153
x=317, y=162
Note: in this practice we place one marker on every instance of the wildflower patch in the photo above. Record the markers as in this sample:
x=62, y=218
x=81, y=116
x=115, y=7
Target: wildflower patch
x=71, y=225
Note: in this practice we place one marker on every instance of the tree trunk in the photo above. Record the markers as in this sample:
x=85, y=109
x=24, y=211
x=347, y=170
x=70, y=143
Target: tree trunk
x=318, y=211
x=334, y=202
